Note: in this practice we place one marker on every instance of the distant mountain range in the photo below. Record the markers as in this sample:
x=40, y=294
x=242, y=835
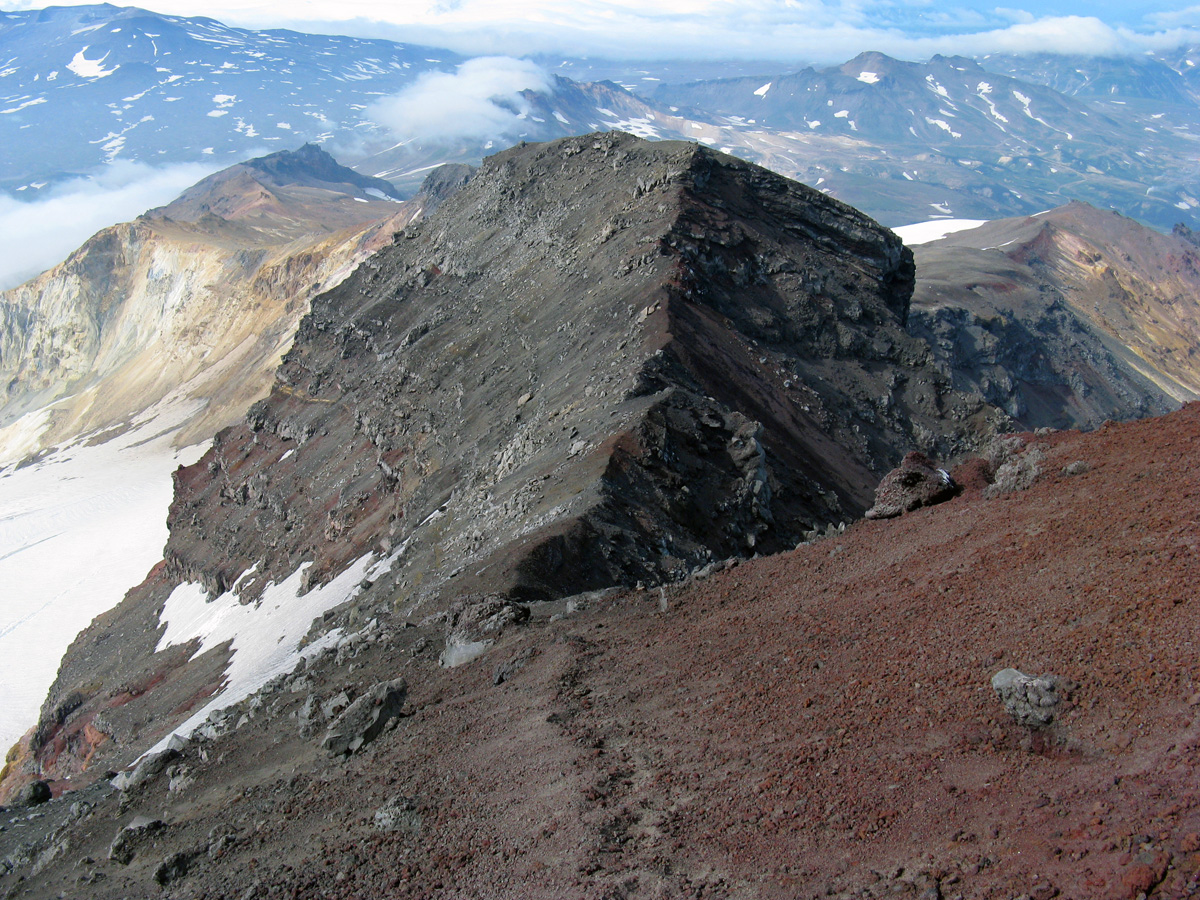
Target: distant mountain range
x=990, y=138
x=909, y=141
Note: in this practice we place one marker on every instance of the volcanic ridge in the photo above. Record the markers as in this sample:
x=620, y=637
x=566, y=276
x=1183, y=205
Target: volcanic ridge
x=523, y=451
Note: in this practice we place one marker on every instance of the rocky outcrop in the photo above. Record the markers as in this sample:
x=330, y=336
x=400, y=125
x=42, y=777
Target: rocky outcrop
x=1065, y=319
x=602, y=361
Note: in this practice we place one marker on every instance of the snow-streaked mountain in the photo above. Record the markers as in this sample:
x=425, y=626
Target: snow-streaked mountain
x=134, y=84
x=952, y=138
x=1165, y=78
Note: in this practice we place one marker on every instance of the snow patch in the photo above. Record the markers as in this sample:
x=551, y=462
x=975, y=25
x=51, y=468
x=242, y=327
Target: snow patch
x=89, y=68
x=935, y=229
x=762, y=91
x=945, y=126
x=28, y=103
x=868, y=77
x=264, y=637
x=937, y=88
x=77, y=530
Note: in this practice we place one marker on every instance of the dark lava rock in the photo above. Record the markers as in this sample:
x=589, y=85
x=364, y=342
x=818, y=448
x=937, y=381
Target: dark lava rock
x=33, y=794
x=131, y=836
x=916, y=482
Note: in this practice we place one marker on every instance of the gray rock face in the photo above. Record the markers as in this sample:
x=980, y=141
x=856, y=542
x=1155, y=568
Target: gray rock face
x=916, y=482
x=365, y=718
x=1031, y=700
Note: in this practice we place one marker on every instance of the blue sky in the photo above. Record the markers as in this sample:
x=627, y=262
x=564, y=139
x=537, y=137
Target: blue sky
x=808, y=30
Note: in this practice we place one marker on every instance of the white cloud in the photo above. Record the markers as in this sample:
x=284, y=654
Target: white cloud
x=1175, y=18
x=479, y=101
x=37, y=234
x=793, y=31
x=786, y=30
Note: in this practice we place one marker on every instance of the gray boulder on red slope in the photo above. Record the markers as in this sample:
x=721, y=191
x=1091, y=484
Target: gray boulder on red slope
x=916, y=482
x=365, y=718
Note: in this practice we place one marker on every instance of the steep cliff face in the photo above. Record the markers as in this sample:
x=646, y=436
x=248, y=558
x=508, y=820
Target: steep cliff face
x=196, y=301
x=602, y=361
x=1064, y=319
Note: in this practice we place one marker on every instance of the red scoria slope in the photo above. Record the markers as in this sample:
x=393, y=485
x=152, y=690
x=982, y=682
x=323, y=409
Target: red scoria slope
x=822, y=721
x=815, y=723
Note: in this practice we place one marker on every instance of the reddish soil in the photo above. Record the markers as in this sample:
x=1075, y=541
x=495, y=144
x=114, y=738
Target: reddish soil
x=821, y=720
x=815, y=723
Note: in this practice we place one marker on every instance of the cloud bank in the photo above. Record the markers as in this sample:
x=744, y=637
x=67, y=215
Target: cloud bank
x=480, y=101
x=40, y=233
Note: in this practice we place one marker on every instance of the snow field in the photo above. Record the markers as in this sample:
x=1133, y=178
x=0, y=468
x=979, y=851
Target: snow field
x=77, y=530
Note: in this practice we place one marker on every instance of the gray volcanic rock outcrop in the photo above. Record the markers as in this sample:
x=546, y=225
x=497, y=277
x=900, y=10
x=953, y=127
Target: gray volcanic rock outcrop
x=602, y=361
x=605, y=360
x=1064, y=319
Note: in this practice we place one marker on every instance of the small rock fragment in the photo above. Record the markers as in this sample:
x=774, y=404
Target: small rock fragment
x=399, y=814
x=125, y=843
x=1017, y=473
x=173, y=867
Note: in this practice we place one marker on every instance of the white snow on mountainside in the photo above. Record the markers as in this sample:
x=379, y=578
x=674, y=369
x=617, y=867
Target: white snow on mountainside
x=934, y=230
x=78, y=529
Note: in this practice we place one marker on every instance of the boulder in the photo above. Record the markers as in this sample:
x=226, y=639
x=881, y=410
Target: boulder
x=1032, y=700
x=399, y=814
x=128, y=838
x=33, y=794
x=916, y=482
x=365, y=718
x=474, y=623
